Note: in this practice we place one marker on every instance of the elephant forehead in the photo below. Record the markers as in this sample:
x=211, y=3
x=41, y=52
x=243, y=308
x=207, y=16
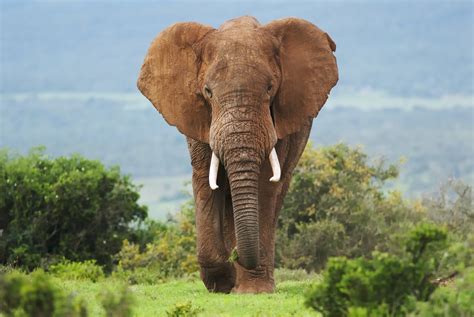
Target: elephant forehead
x=239, y=44
x=232, y=54
x=237, y=71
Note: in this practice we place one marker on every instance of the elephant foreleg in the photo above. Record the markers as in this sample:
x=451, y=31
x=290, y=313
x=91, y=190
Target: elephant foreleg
x=213, y=227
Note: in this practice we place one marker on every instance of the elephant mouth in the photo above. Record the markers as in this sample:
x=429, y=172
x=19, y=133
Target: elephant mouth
x=214, y=168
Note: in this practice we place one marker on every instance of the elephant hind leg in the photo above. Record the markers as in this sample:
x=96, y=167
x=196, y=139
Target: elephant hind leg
x=218, y=279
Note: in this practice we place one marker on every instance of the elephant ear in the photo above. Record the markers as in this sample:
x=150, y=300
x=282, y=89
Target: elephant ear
x=308, y=72
x=169, y=79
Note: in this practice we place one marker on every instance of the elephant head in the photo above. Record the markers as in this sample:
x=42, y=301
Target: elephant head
x=239, y=88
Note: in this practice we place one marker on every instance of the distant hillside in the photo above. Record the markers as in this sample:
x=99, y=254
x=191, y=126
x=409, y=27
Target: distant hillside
x=68, y=71
x=437, y=143
x=401, y=47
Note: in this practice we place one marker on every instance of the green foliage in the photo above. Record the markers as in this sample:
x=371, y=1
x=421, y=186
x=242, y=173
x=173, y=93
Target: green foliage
x=336, y=206
x=36, y=295
x=458, y=256
x=184, y=310
x=386, y=284
x=138, y=275
x=148, y=230
x=118, y=303
x=87, y=270
x=172, y=253
x=67, y=206
x=423, y=240
x=10, y=291
x=451, y=300
x=453, y=209
x=234, y=256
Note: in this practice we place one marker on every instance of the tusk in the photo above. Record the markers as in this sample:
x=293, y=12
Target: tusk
x=213, y=171
x=275, y=166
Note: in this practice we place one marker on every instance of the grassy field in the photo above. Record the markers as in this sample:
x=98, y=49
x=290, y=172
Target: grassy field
x=157, y=300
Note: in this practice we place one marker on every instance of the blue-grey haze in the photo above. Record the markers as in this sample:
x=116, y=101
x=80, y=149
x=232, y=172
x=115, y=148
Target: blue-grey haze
x=402, y=47
x=68, y=71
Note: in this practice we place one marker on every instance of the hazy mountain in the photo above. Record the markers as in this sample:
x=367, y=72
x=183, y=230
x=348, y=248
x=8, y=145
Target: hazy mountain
x=402, y=47
x=68, y=71
x=437, y=143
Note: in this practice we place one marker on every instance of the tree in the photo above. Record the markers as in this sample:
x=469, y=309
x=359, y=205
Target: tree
x=337, y=205
x=64, y=207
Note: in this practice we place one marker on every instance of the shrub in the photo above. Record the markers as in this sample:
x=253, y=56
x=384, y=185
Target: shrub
x=147, y=231
x=458, y=256
x=10, y=291
x=172, y=253
x=451, y=300
x=337, y=205
x=36, y=295
x=184, y=310
x=139, y=275
x=67, y=206
x=383, y=285
x=314, y=243
x=87, y=270
x=117, y=303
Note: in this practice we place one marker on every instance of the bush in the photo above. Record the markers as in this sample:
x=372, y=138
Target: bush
x=383, y=285
x=36, y=295
x=172, y=253
x=64, y=207
x=458, y=256
x=337, y=205
x=87, y=270
x=184, y=310
x=451, y=300
x=118, y=303
x=314, y=243
x=138, y=275
x=10, y=291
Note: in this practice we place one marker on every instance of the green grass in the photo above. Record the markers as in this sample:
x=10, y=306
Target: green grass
x=156, y=300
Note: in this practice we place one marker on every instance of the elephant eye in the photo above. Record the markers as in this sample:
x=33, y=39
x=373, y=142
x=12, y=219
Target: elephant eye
x=208, y=91
x=269, y=88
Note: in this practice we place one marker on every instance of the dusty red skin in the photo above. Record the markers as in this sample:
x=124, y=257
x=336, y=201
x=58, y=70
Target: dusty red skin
x=239, y=91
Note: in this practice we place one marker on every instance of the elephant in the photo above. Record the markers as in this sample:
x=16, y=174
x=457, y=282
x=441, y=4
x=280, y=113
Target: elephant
x=245, y=96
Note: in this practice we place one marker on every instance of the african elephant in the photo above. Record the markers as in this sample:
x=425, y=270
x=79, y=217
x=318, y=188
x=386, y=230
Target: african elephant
x=245, y=96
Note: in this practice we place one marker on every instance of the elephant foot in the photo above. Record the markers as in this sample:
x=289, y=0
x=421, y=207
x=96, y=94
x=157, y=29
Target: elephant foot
x=255, y=281
x=254, y=288
x=218, y=279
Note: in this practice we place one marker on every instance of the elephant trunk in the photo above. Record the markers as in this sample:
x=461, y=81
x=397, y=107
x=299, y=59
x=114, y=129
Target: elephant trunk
x=243, y=178
x=242, y=137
